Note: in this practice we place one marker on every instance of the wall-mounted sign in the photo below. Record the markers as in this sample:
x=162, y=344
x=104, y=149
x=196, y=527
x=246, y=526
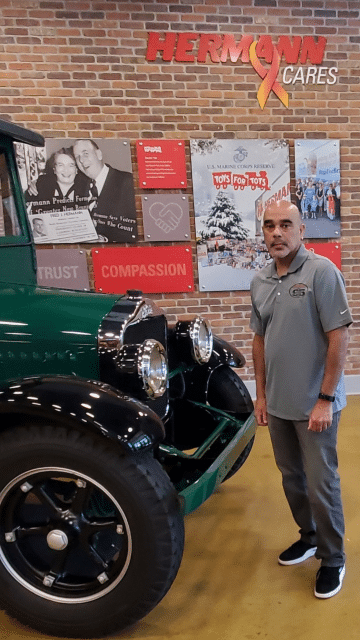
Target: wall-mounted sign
x=216, y=47
x=233, y=181
x=79, y=190
x=330, y=250
x=166, y=217
x=62, y=268
x=70, y=226
x=149, y=269
x=161, y=164
x=317, y=172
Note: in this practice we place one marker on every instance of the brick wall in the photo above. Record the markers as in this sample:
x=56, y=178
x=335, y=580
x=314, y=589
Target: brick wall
x=71, y=69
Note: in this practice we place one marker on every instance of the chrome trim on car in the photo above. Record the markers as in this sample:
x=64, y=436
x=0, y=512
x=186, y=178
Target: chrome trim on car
x=127, y=311
x=202, y=345
x=148, y=361
x=154, y=373
x=195, y=340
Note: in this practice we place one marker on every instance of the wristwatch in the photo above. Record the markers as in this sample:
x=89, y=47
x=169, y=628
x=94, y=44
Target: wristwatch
x=324, y=396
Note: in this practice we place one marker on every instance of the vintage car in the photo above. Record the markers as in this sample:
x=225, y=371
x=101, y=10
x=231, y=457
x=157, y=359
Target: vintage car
x=113, y=427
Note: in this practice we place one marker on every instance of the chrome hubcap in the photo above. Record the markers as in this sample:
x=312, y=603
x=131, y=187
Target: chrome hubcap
x=57, y=540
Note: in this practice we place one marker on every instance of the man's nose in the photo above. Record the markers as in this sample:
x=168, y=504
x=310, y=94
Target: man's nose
x=277, y=230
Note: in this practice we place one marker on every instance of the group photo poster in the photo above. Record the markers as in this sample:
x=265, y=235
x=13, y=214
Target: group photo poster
x=233, y=181
x=79, y=190
x=317, y=173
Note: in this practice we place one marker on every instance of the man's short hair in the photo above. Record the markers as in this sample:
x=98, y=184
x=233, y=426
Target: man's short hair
x=87, y=140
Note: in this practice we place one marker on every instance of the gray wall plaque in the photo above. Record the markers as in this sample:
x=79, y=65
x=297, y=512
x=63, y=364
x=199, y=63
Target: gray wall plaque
x=166, y=217
x=62, y=268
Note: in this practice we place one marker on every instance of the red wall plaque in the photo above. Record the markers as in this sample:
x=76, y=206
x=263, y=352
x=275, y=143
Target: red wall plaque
x=149, y=269
x=330, y=250
x=161, y=164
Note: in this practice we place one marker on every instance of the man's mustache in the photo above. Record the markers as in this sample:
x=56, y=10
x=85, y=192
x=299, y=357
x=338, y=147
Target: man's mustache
x=278, y=244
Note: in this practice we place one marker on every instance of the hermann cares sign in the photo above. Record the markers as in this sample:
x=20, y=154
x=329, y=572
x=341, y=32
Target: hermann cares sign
x=194, y=47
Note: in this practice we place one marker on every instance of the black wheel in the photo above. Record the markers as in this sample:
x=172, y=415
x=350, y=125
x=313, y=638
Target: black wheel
x=90, y=541
x=228, y=392
x=241, y=459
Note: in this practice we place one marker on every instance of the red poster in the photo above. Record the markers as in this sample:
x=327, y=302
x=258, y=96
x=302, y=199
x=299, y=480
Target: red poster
x=161, y=164
x=330, y=250
x=149, y=269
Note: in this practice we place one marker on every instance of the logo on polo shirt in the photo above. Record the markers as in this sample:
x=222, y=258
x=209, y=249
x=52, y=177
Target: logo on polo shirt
x=298, y=290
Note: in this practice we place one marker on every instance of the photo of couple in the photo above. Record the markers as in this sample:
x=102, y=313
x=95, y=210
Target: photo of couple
x=75, y=195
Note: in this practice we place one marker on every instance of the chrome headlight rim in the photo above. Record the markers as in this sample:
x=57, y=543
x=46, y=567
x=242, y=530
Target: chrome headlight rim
x=201, y=340
x=154, y=375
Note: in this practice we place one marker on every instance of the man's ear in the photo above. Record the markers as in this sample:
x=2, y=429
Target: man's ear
x=99, y=154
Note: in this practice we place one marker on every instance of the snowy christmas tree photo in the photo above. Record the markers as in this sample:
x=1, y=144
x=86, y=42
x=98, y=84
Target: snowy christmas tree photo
x=233, y=180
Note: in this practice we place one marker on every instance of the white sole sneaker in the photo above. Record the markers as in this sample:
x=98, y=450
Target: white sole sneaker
x=310, y=552
x=334, y=591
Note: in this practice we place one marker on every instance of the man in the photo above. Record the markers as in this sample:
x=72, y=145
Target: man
x=300, y=317
x=112, y=198
x=38, y=228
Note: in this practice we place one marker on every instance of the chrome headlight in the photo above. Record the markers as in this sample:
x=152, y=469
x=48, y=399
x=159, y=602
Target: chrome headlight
x=148, y=361
x=152, y=367
x=197, y=335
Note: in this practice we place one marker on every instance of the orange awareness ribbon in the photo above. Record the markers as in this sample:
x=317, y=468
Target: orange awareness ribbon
x=269, y=83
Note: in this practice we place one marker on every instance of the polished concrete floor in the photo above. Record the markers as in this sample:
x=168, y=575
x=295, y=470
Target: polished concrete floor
x=230, y=586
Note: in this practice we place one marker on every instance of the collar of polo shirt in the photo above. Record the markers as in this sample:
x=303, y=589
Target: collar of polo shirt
x=299, y=259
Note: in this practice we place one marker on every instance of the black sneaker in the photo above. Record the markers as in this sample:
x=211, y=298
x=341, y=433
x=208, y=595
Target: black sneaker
x=329, y=581
x=298, y=552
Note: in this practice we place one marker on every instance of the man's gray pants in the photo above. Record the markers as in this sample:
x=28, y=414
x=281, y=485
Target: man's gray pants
x=308, y=463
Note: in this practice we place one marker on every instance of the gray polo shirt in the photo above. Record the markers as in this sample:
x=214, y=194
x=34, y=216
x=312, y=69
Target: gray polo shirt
x=293, y=313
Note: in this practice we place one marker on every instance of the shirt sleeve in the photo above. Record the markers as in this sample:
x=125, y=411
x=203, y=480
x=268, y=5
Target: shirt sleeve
x=331, y=299
x=256, y=324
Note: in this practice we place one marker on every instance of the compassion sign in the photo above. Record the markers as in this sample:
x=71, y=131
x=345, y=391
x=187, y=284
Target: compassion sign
x=148, y=269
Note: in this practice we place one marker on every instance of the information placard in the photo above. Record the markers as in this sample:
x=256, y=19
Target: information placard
x=161, y=164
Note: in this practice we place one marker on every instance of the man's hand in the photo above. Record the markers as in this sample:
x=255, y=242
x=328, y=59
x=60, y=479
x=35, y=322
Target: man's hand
x=32, y=189
x=321, y=416
x=260, y=411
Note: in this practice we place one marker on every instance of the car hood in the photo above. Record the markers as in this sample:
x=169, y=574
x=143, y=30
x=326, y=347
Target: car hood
x=39, y=325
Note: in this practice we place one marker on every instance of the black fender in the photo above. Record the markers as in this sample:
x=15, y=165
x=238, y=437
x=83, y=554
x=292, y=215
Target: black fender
x=81, y=403
x=225, y=353
x=216, y=388
x=194, y=382
x=197, y=383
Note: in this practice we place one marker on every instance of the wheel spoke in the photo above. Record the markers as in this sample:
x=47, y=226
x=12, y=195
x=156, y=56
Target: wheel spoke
x=42, y=492
x=104, y=524
x=97, y=557
x=57, y=566
x=81, y=498
x=35, y=530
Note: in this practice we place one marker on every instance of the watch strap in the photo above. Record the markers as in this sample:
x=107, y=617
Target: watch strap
x=324, y=396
